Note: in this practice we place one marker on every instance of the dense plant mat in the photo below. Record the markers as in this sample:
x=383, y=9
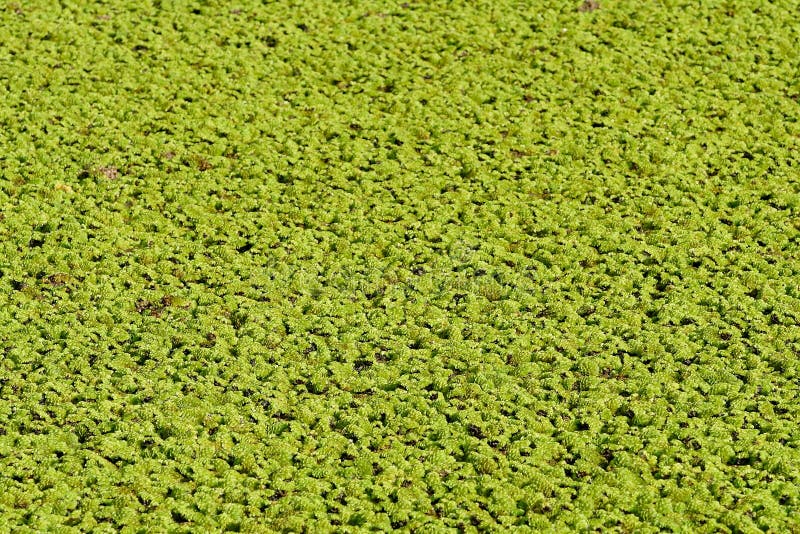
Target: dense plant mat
x=439, y=266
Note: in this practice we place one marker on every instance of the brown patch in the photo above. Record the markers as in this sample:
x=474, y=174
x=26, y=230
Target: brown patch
x=169, y=154
x=109, y=172
x=552, y=152
x=211, y=340
x=528, y=98
x=143, y=305
x=58, y=279
x=589, y=5
x=516, y=154
x=202, y=163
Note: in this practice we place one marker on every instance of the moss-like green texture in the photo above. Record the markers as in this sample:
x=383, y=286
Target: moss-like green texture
x=440, y=266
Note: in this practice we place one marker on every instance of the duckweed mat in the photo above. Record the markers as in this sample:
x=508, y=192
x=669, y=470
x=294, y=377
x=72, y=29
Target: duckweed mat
x=438, y=266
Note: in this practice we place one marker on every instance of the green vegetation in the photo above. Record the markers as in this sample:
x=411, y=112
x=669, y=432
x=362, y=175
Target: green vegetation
x=440, y=266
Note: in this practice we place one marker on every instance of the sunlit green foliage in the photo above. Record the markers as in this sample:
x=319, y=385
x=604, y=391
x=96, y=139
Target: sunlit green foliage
x=446, y=266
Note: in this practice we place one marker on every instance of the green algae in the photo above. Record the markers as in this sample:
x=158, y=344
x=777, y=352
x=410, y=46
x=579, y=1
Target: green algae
x=443, y=266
